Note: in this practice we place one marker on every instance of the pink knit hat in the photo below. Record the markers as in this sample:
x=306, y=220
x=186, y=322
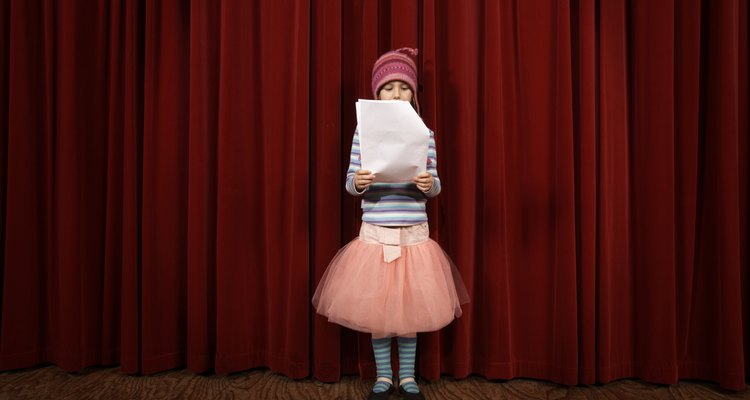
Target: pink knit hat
x=396, y=65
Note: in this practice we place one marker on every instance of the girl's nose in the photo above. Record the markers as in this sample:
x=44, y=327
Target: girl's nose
x=397, y=93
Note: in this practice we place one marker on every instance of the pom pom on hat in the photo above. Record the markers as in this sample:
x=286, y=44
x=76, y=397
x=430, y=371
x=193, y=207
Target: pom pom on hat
x=396, y=65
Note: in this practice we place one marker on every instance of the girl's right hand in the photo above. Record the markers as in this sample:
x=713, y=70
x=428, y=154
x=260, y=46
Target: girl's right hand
x=362, y=179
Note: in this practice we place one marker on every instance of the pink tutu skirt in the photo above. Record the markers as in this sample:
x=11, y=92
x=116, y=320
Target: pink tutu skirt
x=391, y=282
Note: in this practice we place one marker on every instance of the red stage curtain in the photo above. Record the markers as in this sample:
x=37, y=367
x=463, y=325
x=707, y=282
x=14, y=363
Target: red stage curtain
x=171, y=183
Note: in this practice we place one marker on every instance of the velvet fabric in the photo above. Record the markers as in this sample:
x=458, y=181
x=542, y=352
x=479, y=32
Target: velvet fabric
x=171, y=183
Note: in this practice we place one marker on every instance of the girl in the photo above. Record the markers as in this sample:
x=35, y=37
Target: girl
x=393, y=280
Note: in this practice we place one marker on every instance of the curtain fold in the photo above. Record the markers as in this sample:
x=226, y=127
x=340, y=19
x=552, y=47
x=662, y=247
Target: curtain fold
x=171, y=183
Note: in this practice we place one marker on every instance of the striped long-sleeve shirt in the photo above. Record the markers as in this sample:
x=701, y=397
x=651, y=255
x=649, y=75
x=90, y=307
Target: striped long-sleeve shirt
x=393, y=204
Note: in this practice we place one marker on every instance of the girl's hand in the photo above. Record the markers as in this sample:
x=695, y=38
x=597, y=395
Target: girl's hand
x=362, y=179
x=424, y=181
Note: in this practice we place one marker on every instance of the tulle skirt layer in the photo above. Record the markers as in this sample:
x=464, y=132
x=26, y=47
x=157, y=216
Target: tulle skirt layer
x=365, y=289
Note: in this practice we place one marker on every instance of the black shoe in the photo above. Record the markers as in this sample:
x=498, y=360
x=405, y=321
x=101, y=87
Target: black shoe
x=381, y=395
x=409, y=395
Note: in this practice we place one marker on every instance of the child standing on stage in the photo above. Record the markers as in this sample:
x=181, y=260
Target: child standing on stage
x=393, y=280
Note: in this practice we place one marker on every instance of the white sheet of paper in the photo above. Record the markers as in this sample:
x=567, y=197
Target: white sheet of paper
x=393, y=139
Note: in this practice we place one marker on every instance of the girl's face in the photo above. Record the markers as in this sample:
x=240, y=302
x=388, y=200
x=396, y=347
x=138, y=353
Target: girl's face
x=396, y=90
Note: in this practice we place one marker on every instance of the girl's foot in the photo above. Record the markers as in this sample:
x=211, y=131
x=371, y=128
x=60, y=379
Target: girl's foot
x=409, y=389
x=382, y=389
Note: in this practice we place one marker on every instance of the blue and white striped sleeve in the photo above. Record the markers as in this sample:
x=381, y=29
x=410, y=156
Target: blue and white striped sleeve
x=432, y=167
x=355, y=163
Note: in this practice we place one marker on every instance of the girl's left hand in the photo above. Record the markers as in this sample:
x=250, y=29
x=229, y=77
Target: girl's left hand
x=424, y=181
